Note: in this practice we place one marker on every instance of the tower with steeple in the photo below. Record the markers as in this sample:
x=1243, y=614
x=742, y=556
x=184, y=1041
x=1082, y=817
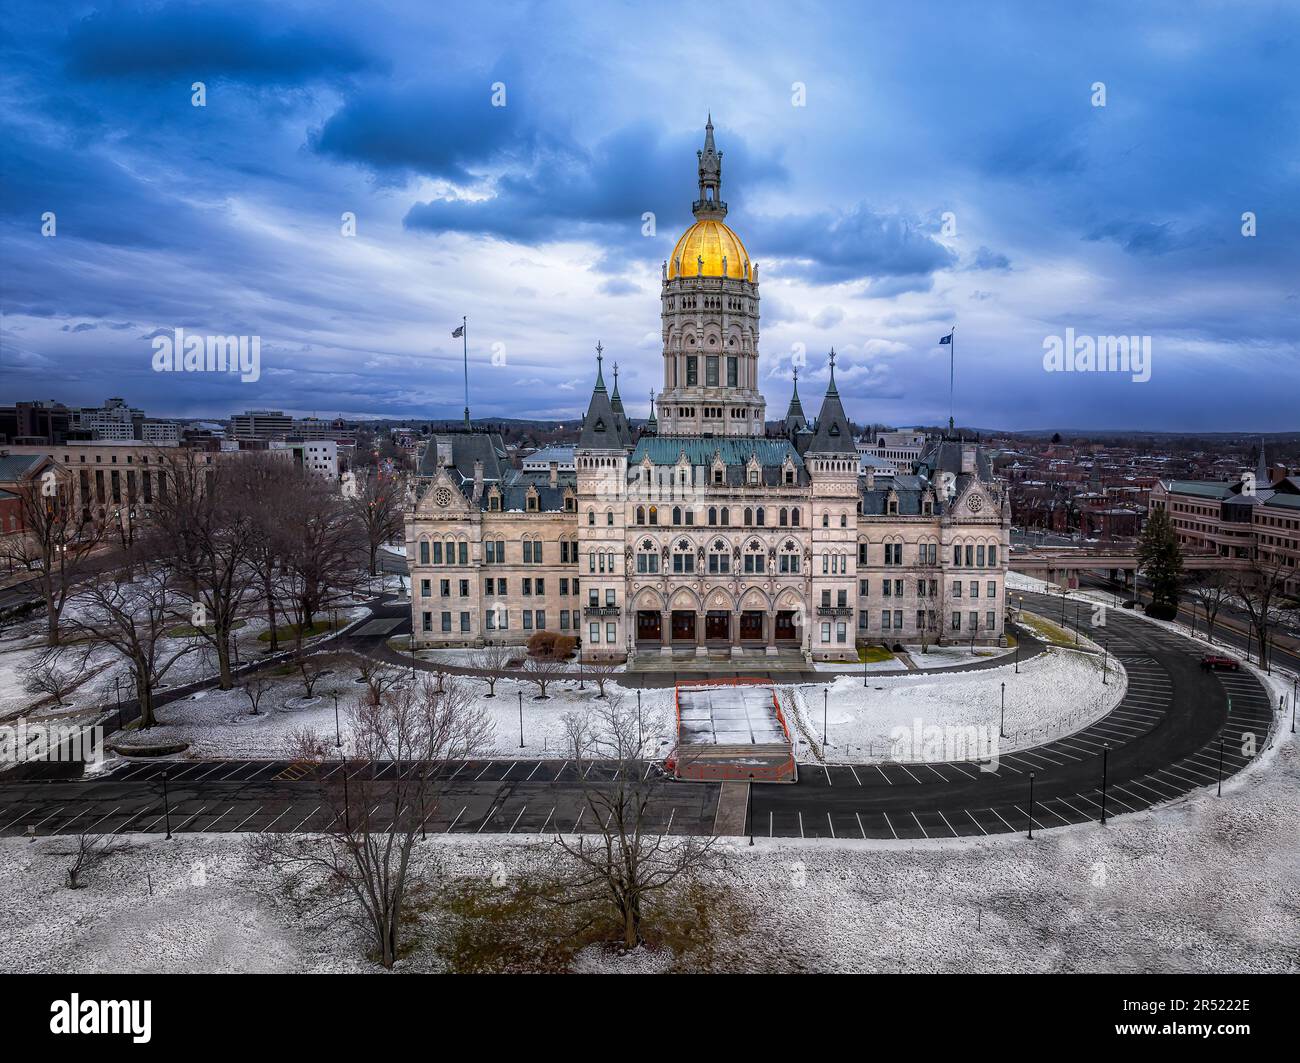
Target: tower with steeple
x=709, y=311
x=795, y=421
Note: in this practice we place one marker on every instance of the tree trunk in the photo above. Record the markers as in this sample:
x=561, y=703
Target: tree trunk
x=631, y=924
x=144, y=694
x=374, y=559
x=51, y=621
x=223, y=657
x=270, y=617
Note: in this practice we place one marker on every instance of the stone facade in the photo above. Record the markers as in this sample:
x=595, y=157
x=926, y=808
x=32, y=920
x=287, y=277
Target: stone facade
x=703, y=535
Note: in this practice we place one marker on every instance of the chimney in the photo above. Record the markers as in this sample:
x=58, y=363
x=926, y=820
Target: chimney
x=968, y=459
x=555, y=473
x=871, y=477
x=478, y=480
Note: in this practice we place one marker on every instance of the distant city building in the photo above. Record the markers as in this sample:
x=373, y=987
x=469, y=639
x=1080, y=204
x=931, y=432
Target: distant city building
x=261, y=424
x=1255, y=517
x=540, y=460
x=320, y=457
x=902, y=449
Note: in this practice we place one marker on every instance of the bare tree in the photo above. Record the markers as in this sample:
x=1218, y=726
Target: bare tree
x=1212, y=589
x=90, y=850
x=624, y=857
x=309, y=668
x=56, y=544
x=379, y=805
x=255, y=688
x=133, y=619
x=209, y=529
x=374, y=503
x=49, y=675
x=490, y=660
x=600, y=673
x=1260, y=588
x=542, y=672
x=266, y=484
x=322, y=549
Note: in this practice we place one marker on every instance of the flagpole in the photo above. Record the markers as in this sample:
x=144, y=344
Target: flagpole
x=952, y=360
x=464, y=335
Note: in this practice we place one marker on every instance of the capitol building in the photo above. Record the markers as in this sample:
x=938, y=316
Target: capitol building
x=710, y=532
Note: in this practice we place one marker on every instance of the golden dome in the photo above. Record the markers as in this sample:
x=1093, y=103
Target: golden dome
x=711, y=240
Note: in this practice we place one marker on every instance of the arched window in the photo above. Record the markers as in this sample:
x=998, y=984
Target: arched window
x=726, y=517
x=783, y=517
x=654, y=514
x=758, y=516
x=591, y=516
x=640, y=514
x=749, y=516
x=826, y=520
x=794, y=517
x=677, y=514
x=609, y=516
x=713, y=515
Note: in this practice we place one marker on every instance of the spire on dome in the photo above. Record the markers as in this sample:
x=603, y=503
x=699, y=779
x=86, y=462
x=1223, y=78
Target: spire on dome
x=710, y=204
x=652, y=422
x=1261, y=468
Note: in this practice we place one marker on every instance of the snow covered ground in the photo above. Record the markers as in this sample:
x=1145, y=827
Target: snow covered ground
x=1203, y=885
x=1057, y=691
x=219, y=723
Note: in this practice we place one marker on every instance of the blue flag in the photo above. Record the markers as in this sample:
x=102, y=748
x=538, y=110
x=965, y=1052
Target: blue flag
x=946, y=339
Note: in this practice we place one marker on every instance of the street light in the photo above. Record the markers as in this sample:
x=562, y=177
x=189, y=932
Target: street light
x=167, y=819
x=1105, y=757
x=749, y=807
x=1002, y=726
x=825, y=700
x=1220, y=791
x=1031, y=804
x=338, y=735
x=521, y=718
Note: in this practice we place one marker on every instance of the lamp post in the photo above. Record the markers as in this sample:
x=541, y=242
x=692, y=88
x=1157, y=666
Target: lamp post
x=1220, y=790
x=749, y=807
x=167, y=818
x=1031, y=804
x=1105, y=757
x=640, y=740
x=413, y=650
x=521, y=718
x=338, y=735
x=825, y=700
x=1076, y=626
x=1002, y=726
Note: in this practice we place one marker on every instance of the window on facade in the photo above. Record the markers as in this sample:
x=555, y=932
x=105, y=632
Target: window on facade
x=427, y=621
x=654, y=514
x=826, y=632
x=956, y=554
x=683, y=562
x=692, y=371
x=609, y=516
x=788, y=563
x=446, y=621
x=424, y=553
x=759, y=517
x=979, y=556
x=591, y=517
x=425, y=590
x=733, y=371
x=444, y=588
x=993, y=556
x=719, y=559
x=711, y=371
x=956, y=621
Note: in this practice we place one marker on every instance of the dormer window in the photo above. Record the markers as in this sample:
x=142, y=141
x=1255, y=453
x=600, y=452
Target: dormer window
x=718, y=475
x=753, y=476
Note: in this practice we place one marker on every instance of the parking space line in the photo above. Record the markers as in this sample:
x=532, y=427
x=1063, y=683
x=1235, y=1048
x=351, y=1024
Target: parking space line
x=100, y=820
x=830, y=823
x=276, y=820
x=486, y=819
x=485, y=768
x=948, y=825
x=298, y=827
x=801, y=825
x=1073, y=809
x=924, y=832
x=219, y=819
x=542, y=828
x=855, y=775
x=975, y=821
x=1029, y=817
x=910, y=775
x=882, y=774
x=517, y=819
x=534, y=771
x=36, y=826
x=1005, y=823
x=861, y=829
x=560, y=772
x=244, y=820
x=455, y=821
x=890, y=826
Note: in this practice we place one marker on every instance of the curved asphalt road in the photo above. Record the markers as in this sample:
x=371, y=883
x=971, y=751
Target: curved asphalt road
x=1163, y=738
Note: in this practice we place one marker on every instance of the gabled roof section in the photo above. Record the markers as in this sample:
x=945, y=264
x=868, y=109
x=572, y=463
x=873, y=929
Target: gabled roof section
x=600, y=427
x=465, y=449
x=832, y=434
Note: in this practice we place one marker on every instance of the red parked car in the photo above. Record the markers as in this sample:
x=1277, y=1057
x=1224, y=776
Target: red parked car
x=1213, y=662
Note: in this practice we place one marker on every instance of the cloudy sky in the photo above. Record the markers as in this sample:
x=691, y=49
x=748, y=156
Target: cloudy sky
x=895, y=168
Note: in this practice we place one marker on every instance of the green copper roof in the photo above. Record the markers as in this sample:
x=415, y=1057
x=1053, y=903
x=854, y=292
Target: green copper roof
x=734, y=450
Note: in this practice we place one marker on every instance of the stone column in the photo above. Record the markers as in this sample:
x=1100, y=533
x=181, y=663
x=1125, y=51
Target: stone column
x=736, y=649
x=769, y=626
x=666, y=633
x=700, y=650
